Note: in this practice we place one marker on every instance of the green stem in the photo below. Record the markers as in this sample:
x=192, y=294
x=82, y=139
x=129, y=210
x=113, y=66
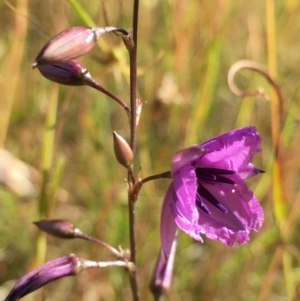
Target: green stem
x=47, y=154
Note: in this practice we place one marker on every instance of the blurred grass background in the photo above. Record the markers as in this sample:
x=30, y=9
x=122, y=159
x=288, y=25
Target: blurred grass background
x=185, y=51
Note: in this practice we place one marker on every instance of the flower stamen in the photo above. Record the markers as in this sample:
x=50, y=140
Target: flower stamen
x=207, y=195
x=211, y=175
x=200, y=204
x=214, y=174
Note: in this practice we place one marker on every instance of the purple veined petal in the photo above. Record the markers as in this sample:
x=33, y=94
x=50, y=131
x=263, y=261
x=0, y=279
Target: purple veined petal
x=244, y=214
x=167, y=225
x=170, y=217
x=184, y=183
x=237, y=199
x=192, y=229
x=186, y=156
x=233, y=150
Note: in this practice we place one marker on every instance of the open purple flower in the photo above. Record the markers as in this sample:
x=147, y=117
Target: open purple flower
x=208, y=194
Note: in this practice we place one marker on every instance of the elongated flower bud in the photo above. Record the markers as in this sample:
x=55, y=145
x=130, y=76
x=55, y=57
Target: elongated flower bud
x=162, y=274
x=122, y=150
x=68, y=265
x=57, y=227
x=71, y=73
x=71, y=43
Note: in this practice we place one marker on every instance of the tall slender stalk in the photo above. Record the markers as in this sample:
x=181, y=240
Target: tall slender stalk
x=47, y=156
x=133, y=130
x=279, y=197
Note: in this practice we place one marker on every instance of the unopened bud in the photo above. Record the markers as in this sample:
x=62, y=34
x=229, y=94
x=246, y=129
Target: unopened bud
x=70, y=43
x=163, y=271
x=57, y=227
x=123, y=151
x=71, y=73
x=69, y=265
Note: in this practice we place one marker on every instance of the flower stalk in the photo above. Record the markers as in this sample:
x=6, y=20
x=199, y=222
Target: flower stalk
x=66, y=230
x=133, y=132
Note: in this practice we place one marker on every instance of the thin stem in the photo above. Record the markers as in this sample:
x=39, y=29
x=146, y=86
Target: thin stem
x=133, y=130
x=133, y=75
x=86, y=264
x=47, y=158
x=92, y=83
x=166, y=174
x=80, y=234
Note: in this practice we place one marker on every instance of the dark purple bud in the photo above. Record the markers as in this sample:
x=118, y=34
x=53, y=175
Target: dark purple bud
x=71, y=73
x=57, y=227
x=68, y=265
x=71, y=43
x=123, y=151
x=162, y=274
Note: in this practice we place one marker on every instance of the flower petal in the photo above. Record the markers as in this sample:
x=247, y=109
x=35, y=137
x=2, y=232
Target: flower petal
x=185, y=156
x=167, y=225
x=233, y=150
x=244, y=214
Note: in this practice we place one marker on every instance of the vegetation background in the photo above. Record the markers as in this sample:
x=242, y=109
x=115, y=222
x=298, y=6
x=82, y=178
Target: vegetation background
x=184, y=53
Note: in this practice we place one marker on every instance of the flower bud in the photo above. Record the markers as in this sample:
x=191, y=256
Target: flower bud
x=71, y=73
x=123, y=151
x=71, y=43
x=162, y=274
x=68, y=265
x=57, y=227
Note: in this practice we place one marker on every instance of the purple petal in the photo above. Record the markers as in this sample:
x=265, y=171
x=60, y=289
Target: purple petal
x=232, y=150
x=244, y=214
x=167, y=225
x=185, y=156
x=249, y=171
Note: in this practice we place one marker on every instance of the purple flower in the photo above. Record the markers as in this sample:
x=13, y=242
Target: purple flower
x=68, y=265
x=208, y=194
